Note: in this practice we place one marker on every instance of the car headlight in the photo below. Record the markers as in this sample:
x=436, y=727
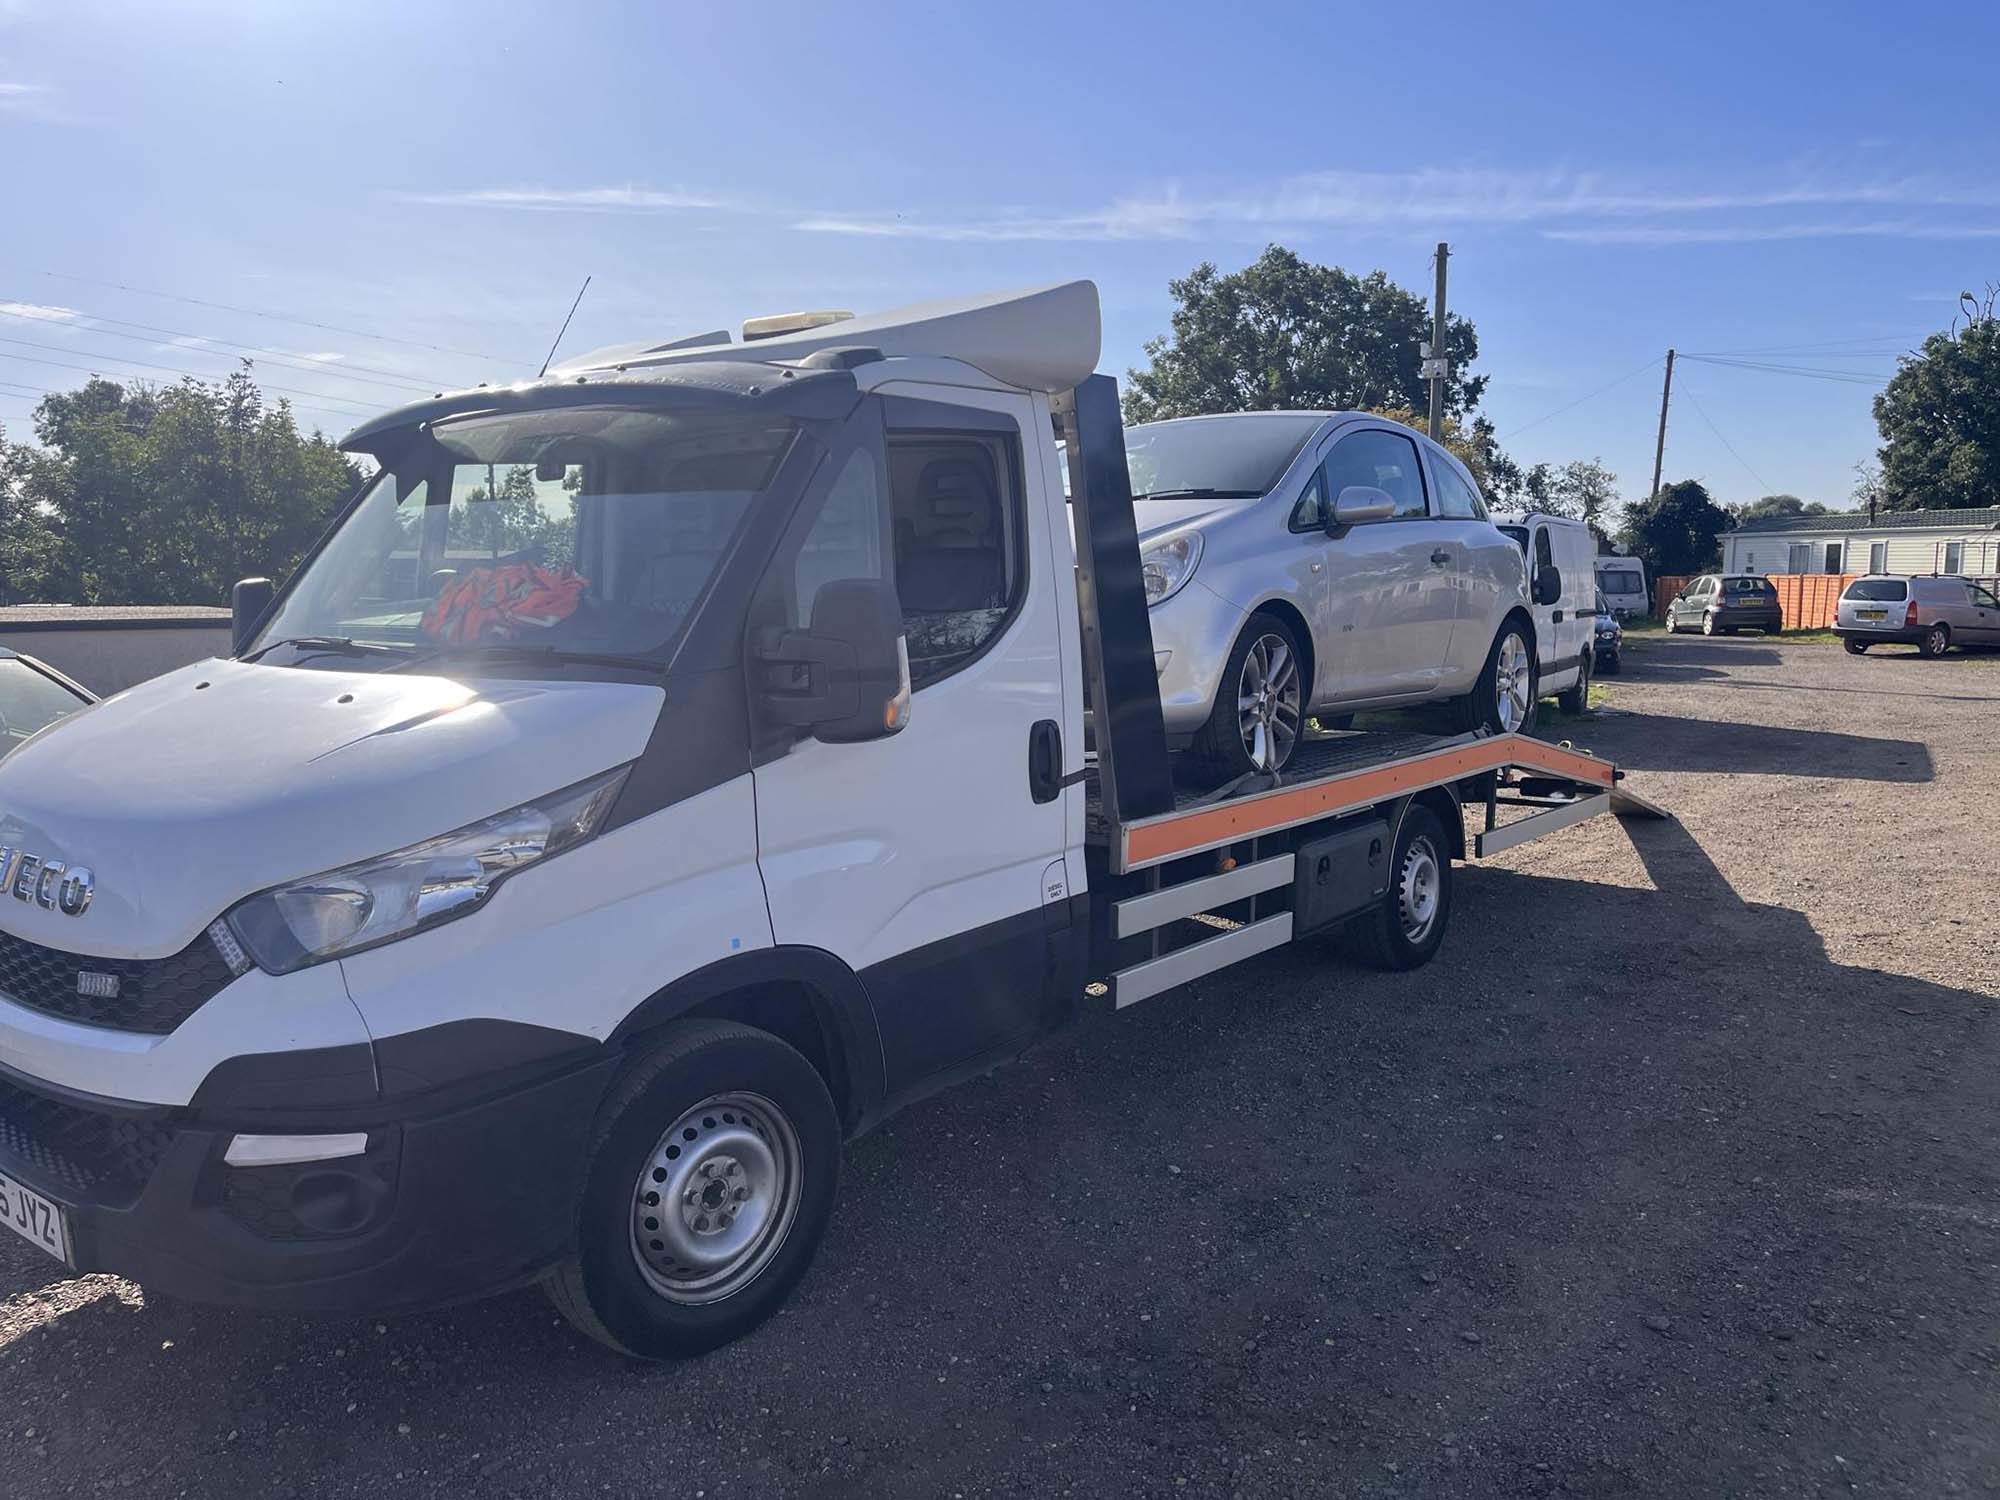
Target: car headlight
x=1168, y=564
x=393, y=895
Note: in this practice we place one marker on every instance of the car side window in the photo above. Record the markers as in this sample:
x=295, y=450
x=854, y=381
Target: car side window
x=1382, y=460
x=1984, y=598
x=961, y=558
x=1544, y=553
x=1456, y=499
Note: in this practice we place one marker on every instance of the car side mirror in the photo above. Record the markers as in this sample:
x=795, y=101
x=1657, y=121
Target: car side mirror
x=1548, y=584
x=249, y=601
x=846, y=677
x=1362, y=502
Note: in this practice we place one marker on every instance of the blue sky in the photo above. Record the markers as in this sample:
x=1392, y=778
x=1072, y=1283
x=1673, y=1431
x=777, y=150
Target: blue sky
x=1814, y=183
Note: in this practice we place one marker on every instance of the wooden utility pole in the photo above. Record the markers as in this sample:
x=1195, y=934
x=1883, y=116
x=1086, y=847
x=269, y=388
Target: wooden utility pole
x=1660, y=446
x=1435, y=364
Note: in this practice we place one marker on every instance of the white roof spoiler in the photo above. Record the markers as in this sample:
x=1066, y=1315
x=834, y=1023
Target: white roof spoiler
x=1040, y=339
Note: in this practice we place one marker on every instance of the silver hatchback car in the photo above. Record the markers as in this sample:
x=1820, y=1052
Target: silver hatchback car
x=1303, y=564
x=1933, y=614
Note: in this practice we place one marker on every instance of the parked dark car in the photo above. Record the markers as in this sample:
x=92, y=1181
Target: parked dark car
x=1609, y=640
x=33, y=695
x=1724, y=603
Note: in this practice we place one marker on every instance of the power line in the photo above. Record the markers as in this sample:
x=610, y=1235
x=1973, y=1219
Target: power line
x=1803, y=348
x=37, y=391
x=1804, y=372
x=277, y=317
x=1581, y=399
x=1702, y=412
x=275, y=356
x=30, y=359
x=171, y=370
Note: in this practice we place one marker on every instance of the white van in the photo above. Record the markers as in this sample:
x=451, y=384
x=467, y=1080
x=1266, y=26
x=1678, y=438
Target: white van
x=1566, y=629
x=1623, y=580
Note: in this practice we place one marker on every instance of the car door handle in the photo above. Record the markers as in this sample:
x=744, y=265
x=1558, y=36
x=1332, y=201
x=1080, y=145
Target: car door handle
x=1045, y=777
x=1558, y=618
x=1440, y=557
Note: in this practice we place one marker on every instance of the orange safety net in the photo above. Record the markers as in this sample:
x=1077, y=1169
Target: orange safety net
x=494, y=603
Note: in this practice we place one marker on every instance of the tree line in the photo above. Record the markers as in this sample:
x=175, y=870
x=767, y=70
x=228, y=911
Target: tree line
x=141, y=494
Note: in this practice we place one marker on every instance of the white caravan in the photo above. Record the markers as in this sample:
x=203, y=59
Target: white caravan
x=658, y=774
x=1623, y=580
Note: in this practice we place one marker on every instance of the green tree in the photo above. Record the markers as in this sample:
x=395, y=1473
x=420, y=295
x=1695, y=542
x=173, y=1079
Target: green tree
x=1677, y=530
x=1786, y=506
x=167, y=495
x=26, y=542
x=1940, y=417
x=1582, y=489
x=1285, y=334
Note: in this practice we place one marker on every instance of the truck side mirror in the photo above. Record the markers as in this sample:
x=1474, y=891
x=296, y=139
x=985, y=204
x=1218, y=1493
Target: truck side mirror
x=1361, y=502
x=846, y=677
x=248, y=602
x=1548, y=584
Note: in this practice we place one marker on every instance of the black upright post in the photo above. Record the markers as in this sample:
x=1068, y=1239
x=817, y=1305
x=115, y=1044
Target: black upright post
x=1117, y=637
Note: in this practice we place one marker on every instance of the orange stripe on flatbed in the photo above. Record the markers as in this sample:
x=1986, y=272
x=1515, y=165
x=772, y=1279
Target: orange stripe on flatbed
x=1204, y=828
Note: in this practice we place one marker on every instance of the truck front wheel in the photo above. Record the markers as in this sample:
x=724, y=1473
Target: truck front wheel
x=709, y=1185
x=1406, y=927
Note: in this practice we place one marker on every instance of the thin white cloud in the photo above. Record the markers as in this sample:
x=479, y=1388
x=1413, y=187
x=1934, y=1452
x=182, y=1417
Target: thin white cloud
x=1743, y=234
x=573, y=200
x=1427, y=199
x=41, y=310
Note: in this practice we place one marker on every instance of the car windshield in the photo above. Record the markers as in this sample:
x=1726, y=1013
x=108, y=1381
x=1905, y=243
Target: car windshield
x=1603, y=604
x=29, y=701
x=1222, y=458
x=1881, y=590
x=567, y=530
x=1520, y=536
x=1619, y=581
x=1748, y=586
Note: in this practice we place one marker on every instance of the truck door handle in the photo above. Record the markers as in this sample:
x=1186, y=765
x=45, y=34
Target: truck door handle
x=1440, y=557
x=1045, y=777
x=1558, y=618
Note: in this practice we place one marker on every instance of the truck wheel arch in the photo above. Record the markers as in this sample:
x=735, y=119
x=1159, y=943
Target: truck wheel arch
x=806, y=997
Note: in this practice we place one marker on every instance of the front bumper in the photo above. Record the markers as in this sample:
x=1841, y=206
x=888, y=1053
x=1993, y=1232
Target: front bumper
x=1607, y=647
x=446, y=1203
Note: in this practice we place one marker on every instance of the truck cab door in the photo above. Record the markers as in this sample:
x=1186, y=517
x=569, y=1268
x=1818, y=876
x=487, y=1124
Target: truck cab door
x=931, y=861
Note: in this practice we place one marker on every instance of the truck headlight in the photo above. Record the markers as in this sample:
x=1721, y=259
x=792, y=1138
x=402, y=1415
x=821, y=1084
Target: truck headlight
x=1168, y=564
x=393, y=895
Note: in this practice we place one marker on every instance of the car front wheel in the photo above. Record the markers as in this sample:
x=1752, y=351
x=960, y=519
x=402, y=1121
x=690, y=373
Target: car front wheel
x=1259, y=705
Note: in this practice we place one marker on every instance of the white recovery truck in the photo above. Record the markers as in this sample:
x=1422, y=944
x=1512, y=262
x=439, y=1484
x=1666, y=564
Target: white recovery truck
x=658, y=774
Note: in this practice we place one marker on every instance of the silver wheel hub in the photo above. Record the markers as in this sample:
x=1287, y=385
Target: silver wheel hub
x=1513, y=682
x=716, y=1197
x=1268, y=706
x=1419, y=891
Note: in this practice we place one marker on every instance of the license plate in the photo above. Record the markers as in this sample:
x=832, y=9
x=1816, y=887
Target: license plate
x=34, y=1218
x=1872, y=614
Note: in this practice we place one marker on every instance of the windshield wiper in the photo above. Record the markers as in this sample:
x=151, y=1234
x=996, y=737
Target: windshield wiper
x=339, y=644
x=502, y=651
x=1199, y=494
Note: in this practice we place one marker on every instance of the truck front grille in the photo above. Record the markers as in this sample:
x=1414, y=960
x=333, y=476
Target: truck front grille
x=153, y=995
x=94, y=1153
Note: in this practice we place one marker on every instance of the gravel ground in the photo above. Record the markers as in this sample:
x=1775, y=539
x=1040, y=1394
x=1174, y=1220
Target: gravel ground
x=1675, y=1174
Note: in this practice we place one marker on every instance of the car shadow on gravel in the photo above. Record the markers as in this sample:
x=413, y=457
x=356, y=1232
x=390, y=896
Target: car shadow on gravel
x=1632, y=1191
x=1675, y=659
x=1661, y=742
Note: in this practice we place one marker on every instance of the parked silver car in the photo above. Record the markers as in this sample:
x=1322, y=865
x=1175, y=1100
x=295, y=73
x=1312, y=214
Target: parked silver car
x=1313, y=564
x=1933, y=614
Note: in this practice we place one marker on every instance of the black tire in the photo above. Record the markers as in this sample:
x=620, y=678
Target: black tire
x=1218, y=745
x=1576, y=700
x=1936, y=641
x=1480, y=708
x=1383, y=935
x=601, y=1287
x=1855, y=648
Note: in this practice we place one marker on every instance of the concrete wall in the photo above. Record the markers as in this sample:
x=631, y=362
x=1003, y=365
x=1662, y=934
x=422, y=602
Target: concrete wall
x=109, y=658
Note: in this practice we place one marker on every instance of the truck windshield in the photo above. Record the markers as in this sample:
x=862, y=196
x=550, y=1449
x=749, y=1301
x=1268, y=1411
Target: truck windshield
x=1215, y=458
x=568, y=530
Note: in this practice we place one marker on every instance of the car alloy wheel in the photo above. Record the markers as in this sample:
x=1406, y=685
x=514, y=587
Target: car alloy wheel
x=1513, y=682
x=1269, y=707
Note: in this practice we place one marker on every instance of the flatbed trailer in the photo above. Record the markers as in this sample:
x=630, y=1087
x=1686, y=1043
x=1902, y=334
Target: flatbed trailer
x=1187, y=880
